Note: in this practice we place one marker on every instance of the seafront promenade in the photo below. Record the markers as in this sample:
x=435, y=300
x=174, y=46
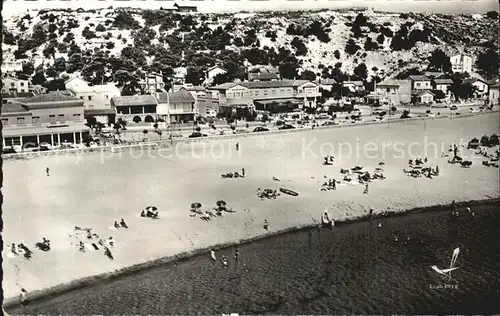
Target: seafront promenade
x=88, y=191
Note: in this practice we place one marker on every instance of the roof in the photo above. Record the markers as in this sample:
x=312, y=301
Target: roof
x=328, y=81
x=472, y=80
x=213, y=67
x=43, y=130
x=181, y=96
x=14, y=79
x=262, y=84
x=495, y=86
x=13, y=108
x=17, y=95
x=389, y=83
x=58, y=96
x=443, y=81
x=356, y=83
x=105, y=88
x=419, y=78
x=96, y=112
x=134, y=100
x=194, y=88
x=263, y=76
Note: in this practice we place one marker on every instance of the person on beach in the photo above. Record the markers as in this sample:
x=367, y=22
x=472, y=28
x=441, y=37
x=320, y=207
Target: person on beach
x=24, y=297
x=237, y=145
x=123, y=224
x=111, y=242
x=242, y=172
x=379, y=225
x=81, y=246
x=116, y=225
x=143, y=214
x=224, y=261
x=437, y=170
x=13, y=249
x=212, y=255
x=108, y=253
x=266, y=224
x=47, y=171
x=236, y=254
x=259, y=193
x=366, y=188
x=371, y=213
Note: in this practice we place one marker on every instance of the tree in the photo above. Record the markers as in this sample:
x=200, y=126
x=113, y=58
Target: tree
x=336, y=53
x=489, y=62
x=300, y=47
x=370, y=44
x=381, y=39
x=100, y=28
x=308, y=75
x=361, y=71
x=351, y=48
x=28, y=68
x=288, y=70
x=60, y=64
x=439, y=61
x=492, y=15
x=38, y=78
x=195, y=75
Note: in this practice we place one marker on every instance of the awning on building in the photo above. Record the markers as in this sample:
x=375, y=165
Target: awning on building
x=43, y=130
x=278, y=101
x=97, y=112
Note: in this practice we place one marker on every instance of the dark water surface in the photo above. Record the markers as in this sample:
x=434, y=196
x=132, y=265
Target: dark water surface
x=355, y=269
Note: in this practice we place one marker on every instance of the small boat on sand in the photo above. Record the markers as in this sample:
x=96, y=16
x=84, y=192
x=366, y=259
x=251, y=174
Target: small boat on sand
x=326, y=221
x=289, y=192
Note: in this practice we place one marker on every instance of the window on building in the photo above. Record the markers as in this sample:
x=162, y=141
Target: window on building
x=5, y=121
x=257, y=92
x=12, y=84
x=36, y=120
x=21, y=121
x=81, y=98
x=22, y=90
x=22, y=84
x=90, y=98
x=282, y=91
x=417, y=84
x=273, y=92
x=76, y=117
x=265, y=92
x=107, y=97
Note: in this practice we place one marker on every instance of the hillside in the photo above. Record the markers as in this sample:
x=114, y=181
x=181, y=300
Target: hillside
x=117, y=44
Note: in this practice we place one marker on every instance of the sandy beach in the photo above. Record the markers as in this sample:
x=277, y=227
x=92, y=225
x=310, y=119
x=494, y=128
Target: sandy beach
x=96, y=189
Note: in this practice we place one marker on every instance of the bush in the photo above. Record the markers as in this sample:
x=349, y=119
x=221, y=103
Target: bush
x=492, y=15
x=336, y=53
x=406, y=114
x=300, y=47
x=100, y=28
x=351, y=48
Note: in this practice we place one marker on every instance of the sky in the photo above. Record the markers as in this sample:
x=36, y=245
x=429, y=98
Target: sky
x=11, y=7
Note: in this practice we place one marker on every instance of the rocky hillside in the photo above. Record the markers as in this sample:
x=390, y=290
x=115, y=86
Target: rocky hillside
x=118, y=44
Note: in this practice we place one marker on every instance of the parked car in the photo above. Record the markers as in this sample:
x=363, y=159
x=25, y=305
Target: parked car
x=197, y=134
x=260, y=129
x=45, y=145
x=286, y=126
x=8, y=150
x=323, y=116
x=329, y=123
x=453, y=107
x=472, y=110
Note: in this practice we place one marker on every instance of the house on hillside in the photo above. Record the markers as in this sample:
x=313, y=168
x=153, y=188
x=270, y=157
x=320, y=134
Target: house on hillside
x=136, y=108
x=327, y=84
x=213, y=71
x=387, y=92
x=12, y=97
x=52, y=118
x=14, y=85
x=461, y=63
x=423, y=97
x=178, y=107
x=11, y=66
x=96, y=99
x=433, y=74
x=481, y=87
x=354, y=86
x=442, y=85
x=152, y=82
x=185, y=8
x=419, y=82
x=264, y=74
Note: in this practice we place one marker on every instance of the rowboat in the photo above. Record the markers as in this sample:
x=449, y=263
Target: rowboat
x=289, y=192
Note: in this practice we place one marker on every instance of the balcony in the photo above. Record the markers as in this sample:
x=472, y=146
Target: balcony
x=182, y=111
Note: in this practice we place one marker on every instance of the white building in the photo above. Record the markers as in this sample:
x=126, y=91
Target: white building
x=442, y=84
x=354, y=86
x=12, y=66
x=494, y=94
x=461, y=63
x=152, y=83
x=14, y=85
x=420, y=83
x=481, y=87
x=213, y=71
x=96, y=99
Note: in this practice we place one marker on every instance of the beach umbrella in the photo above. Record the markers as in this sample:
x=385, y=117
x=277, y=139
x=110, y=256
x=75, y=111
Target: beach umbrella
x=151, y=208
x=196, y=205
x=221, y=203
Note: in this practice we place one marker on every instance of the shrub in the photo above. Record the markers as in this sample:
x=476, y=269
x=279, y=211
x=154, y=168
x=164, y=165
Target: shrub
x=492, y=15
x=336, y=53
x=351, y=48
x=100, y=28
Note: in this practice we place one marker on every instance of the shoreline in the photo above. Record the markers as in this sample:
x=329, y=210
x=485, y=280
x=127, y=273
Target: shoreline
x=186, y=255
x=100, y=149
